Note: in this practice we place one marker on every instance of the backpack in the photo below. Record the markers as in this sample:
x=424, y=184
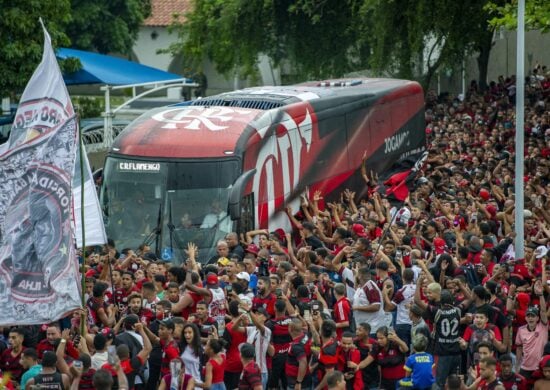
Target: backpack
x=470, y=275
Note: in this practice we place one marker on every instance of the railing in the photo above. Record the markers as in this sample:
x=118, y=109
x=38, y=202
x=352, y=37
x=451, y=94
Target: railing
x=101, y=139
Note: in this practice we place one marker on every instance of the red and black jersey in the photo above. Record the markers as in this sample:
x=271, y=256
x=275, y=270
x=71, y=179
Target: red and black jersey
x=268, y=303
x=370, y=373
x=206, y=326
x=484, y=385
x=86, y=380
x=280, y=337
x=121, y=297
x=391, y=361
x=300, y=348
x=10, y=363
x=95, y=306
x=251, y=377
x=45, y=345
x=170, y=351
x=328, y=357
x=515, y=381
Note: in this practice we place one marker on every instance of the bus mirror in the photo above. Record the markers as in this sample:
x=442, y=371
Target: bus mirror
x=236, y=194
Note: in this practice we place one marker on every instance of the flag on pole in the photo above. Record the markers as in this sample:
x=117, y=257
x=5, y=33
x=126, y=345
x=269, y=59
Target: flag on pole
x=94, y=228
x=39, y=278
x=397, y=182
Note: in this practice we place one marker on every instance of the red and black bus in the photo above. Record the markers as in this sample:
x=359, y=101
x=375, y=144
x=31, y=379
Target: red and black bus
x=231, y=162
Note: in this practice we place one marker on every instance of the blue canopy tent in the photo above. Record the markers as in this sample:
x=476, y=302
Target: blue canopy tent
x=103, y=69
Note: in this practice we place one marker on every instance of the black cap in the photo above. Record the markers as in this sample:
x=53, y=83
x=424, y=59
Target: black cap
x=168, y=323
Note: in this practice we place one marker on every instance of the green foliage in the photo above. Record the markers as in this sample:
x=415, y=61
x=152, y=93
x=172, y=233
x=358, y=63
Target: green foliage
x=316, y=37
x=23, y=40
x=88, y=106
x=106, y=25
x=537, y=14
x=328, y=38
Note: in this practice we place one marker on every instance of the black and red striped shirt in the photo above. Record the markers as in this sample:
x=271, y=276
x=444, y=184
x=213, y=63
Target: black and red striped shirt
x=280, y=337
x=300, y=348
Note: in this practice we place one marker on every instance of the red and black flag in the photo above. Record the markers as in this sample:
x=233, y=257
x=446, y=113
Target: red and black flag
x=396, y=182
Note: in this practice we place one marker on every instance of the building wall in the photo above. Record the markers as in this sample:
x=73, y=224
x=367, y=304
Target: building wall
x=502, y=60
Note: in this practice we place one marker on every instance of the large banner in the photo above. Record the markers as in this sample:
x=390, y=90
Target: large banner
x=39, y=278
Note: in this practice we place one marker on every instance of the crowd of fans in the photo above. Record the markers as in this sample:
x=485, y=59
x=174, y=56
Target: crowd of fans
x=362, y=294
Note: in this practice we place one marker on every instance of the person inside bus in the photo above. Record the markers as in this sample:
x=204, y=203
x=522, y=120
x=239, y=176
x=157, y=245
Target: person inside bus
x=217, y=218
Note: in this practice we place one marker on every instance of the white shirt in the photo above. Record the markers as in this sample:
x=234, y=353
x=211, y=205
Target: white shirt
x=347, y=274
x=260, y=343
x=221, y=219
x=192, y=364
x=403, y=299
x=375, y=319
x=99, y=359
x=402, y=215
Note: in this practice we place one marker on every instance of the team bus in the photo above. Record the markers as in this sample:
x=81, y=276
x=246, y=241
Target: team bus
x=231, y=162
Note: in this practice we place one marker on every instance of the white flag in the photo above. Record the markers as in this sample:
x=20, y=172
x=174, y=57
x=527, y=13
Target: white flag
x=39, y=278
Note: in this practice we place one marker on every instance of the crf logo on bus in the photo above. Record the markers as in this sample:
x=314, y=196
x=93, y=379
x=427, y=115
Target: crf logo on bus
x=212, y=118
x=279, y=164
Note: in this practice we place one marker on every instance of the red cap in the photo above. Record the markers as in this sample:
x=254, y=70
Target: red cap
x=491, y=210
x=439, y=245
x=91, y=273
x=359, y=230
x=212, y=279
x=484, y=194
x=253, y=248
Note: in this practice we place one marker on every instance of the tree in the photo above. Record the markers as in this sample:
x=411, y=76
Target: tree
x=537, y=14
x=409, y=39
x=316, y=37
x=107, y=26
x=23, y=40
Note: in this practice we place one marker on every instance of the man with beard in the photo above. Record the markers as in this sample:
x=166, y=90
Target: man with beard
x=265, y=298
x=135, y=302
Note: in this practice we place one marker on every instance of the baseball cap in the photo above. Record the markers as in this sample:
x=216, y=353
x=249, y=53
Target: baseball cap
x=484, y=194
x=439, y=245
x=108, y=333
x=541, y=251
x=223, y=261
x=252, y=248
x=243, y=276
x=168, y=323
x=212, y=279
x=532, y=311
x=359, y=230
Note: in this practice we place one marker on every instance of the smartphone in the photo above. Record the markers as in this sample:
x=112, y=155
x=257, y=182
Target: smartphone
x=77, y=364
x=229, y=288
x=307, y=315
x=111, y=354
x=278, y=292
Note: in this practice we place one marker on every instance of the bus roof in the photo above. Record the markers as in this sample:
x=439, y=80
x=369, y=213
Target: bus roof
x=181, y=130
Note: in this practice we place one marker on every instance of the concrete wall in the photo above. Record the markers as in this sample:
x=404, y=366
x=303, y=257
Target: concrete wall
x=502, y=60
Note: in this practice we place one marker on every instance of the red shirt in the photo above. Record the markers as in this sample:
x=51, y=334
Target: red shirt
x=10, y=363
x=186, y=311
x=218, y=369
x=352, y=355
x=268, y=303
x=341, y=312
x=234, y=363
x=469, y=330
x=328, y=357
x=483, y=385
x=170, y=351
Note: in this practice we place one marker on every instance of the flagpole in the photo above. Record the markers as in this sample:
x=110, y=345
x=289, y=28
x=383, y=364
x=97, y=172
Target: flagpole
x=82, y=227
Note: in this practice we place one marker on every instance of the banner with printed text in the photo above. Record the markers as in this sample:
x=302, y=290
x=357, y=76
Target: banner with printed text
x=39, y=278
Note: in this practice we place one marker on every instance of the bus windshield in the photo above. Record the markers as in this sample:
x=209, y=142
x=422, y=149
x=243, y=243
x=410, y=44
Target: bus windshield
x=167, y=204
